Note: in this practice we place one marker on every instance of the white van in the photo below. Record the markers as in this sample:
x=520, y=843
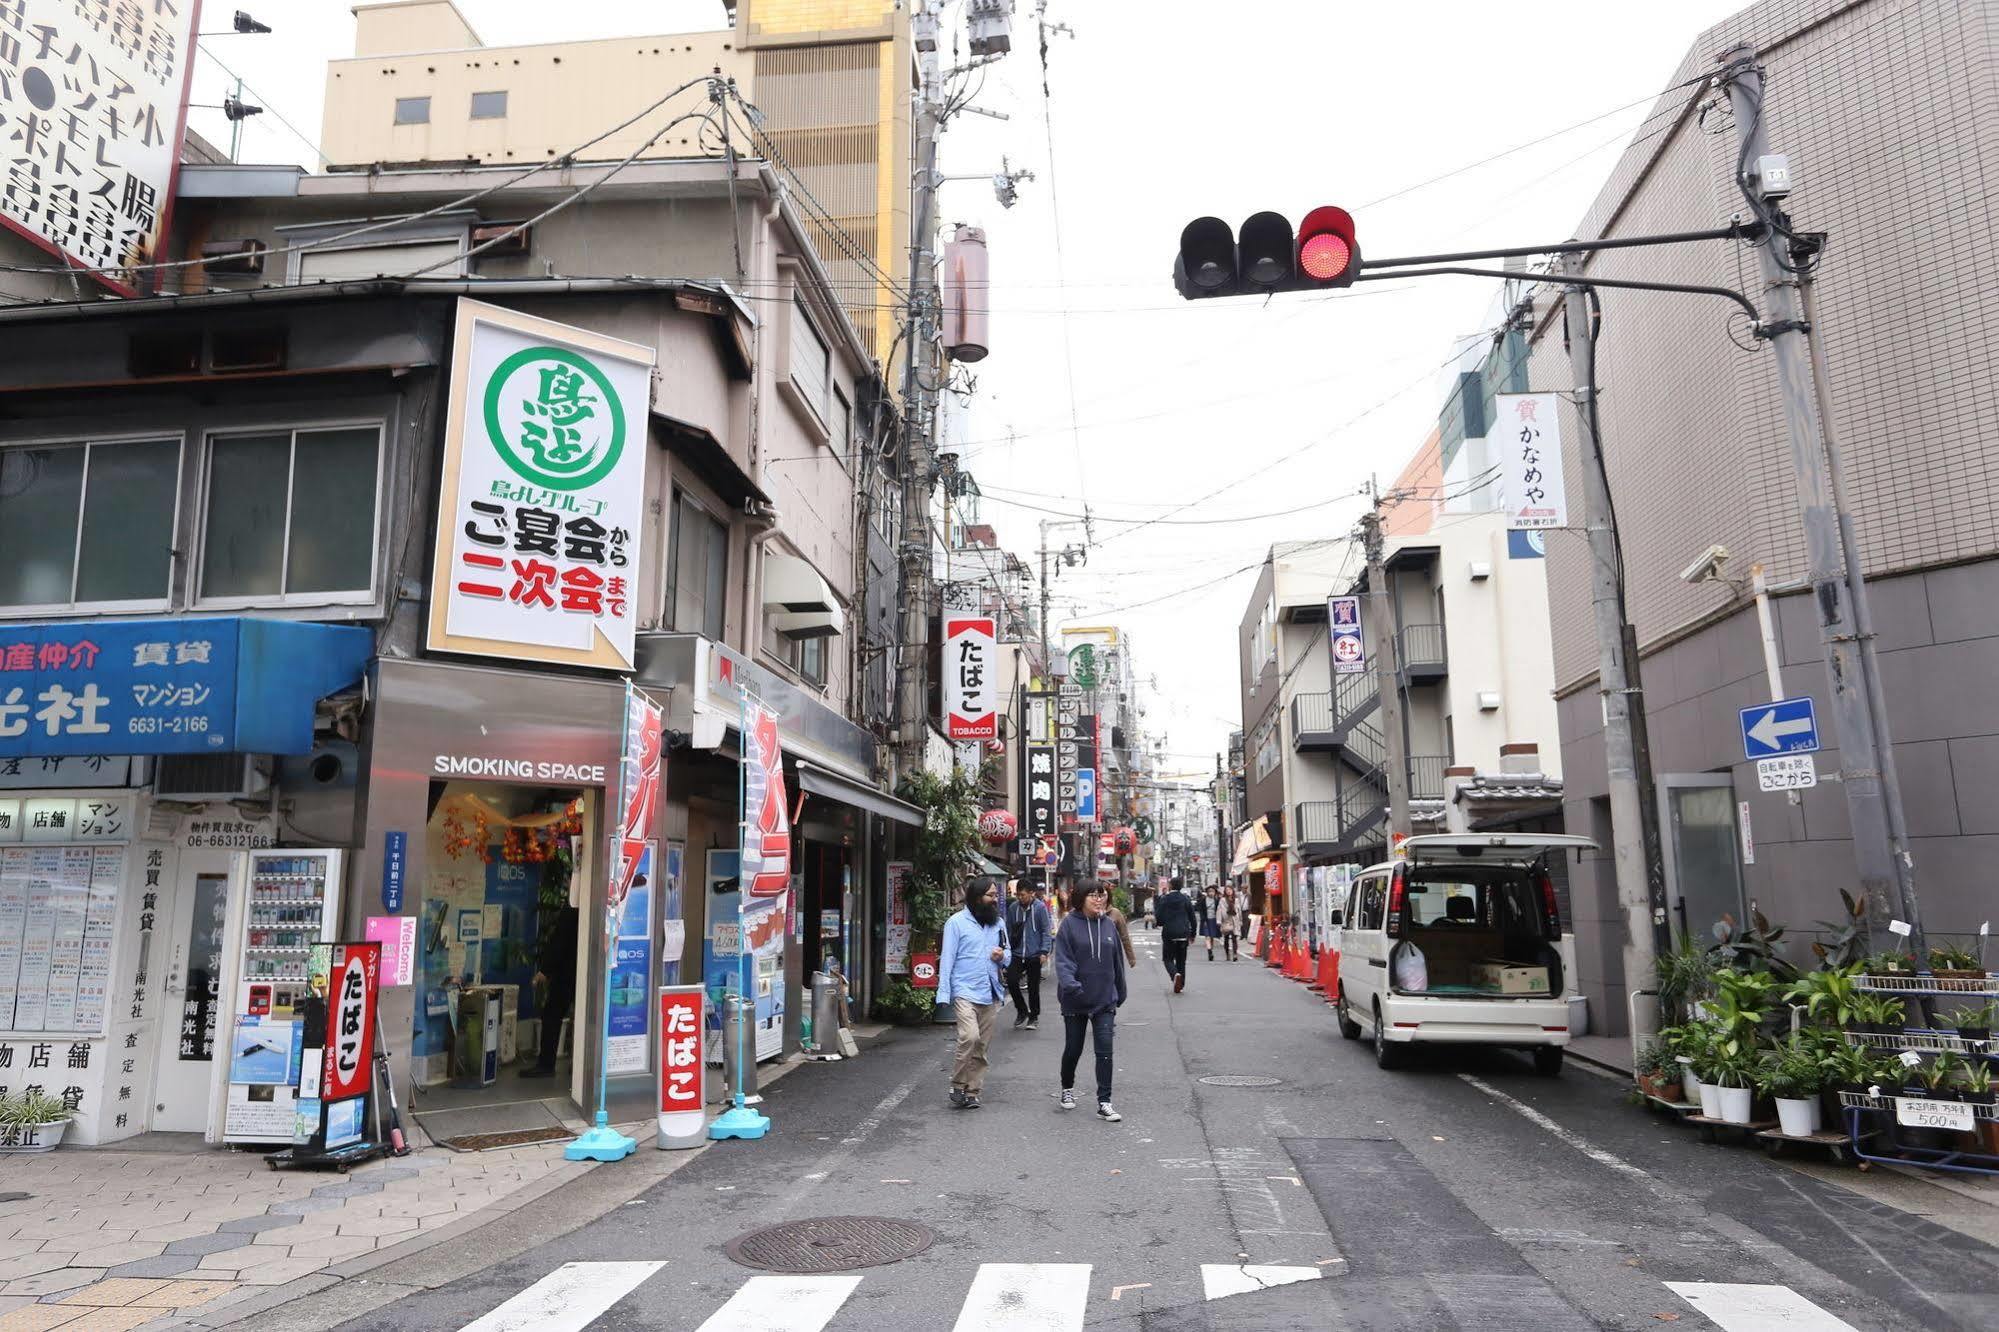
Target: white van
x=1460, y=942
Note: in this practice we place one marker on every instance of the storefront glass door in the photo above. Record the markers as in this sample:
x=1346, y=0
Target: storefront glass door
x=191, y=1001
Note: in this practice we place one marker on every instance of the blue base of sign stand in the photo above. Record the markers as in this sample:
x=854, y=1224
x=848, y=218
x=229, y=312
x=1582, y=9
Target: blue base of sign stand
x=600, y=1142
x=741, y=1122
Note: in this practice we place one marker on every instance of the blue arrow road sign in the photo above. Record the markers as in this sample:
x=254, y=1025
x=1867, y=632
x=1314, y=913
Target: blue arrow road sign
x=1787, y=726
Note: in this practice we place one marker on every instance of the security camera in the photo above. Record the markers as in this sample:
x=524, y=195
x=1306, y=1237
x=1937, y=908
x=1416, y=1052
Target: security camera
x=1706, y=566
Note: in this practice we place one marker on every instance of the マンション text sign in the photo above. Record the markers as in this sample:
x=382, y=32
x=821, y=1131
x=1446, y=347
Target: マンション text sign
x=93, y=104
x=543, y=492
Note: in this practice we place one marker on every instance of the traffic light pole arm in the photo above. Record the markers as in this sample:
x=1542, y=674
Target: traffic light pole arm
x=1569, y=280
x=1748, y=231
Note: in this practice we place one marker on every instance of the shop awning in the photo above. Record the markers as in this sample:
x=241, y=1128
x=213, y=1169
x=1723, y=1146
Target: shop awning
x=1255, y=839
x=171, y=685
x=797, y=601
x=824, y=782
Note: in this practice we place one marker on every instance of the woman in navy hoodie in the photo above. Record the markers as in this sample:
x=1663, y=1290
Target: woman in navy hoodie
x=1089, y=985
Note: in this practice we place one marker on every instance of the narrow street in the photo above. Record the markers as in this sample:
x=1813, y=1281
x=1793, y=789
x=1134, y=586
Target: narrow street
x=1464, y=1193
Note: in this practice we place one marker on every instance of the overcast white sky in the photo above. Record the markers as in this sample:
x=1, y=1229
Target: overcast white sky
x=1155, y=119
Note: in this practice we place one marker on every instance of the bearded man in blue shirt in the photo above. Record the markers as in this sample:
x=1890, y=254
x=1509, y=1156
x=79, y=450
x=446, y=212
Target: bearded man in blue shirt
x=970, y=959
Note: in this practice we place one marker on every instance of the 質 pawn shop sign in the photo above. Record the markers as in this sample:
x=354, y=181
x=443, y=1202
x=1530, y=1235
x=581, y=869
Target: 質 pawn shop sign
x=543, y=492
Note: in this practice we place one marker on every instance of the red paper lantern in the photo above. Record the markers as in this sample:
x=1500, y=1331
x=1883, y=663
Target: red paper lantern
x=997, y=827
x=1125, y=840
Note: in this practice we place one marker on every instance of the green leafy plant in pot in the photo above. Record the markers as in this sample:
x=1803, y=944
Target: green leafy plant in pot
x=1827, y=996
x=1684, y=1045
x=1852, y=1068
x=1731, y=1068
x=1659, y=1072
x=1975, y=1082
x=31, y=1122
x=902, y=1003
x=1973, y=1023
x=1879, y=1013
x=1948, y=963
x=1792, y=1075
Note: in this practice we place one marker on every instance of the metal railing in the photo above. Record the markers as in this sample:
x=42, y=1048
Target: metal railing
x=1312, y=712
x=1426, y=776
x=1421, y=645
x=1318, y=821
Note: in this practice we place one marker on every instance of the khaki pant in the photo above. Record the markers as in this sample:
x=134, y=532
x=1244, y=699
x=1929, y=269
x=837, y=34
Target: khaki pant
x=975, y=1032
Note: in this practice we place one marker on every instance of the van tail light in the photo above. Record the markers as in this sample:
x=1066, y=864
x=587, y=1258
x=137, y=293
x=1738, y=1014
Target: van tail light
x=1395, y=890
x=1550, y=907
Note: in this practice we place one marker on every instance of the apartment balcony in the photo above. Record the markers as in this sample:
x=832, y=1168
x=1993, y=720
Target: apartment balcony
x=1326, y=828
x=1327, y=722
x=1420, y=653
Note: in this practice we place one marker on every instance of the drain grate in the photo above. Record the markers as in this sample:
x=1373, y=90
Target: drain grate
x=1241, y=1080
x=830, y=1244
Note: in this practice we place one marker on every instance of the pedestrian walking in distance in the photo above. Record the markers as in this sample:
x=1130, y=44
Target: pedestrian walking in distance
x=1175, y=912
x=970, y=959
x=1231, y=922
x=1029, y=935
x=1210, y=903
x=1090, y=987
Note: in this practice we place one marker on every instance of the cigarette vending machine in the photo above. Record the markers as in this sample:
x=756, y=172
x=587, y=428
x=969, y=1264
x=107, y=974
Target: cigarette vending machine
x=282, y=904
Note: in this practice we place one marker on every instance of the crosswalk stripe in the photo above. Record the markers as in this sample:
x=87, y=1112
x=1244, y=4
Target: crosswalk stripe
x=568, y=1299
x=1223, y=1279
x=1026, y=1297
x=783, y=1304
x=1734, y=1308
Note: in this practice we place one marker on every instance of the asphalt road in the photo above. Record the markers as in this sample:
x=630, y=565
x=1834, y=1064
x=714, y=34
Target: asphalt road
x=1463, y=1193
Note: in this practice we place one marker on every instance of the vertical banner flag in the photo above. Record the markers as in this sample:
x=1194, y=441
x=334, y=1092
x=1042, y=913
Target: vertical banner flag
x=1528, y=432
x=638, y=786
x=1040, y=790
x=971, y=694
x=543, y=492
x=895, y=945
x=1349, y=645
x=766, y=850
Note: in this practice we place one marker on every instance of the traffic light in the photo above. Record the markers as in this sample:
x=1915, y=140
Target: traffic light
x=1266, y=256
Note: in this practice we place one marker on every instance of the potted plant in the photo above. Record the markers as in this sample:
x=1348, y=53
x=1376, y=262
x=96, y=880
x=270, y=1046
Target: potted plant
x=1683, y=1045
x=1659, y=1073
x=1890, y=963
x=903, y=1004
x=1792, y=1076
x=1733, y=1067
x=31, y=1122
x=1878, y=1013
x=1973, y=1023
x=1852, y=1068
x=1940, y=1075
x=1827, y=996
x=1684, y=977
x=1975, y=1082
x=1948, y=963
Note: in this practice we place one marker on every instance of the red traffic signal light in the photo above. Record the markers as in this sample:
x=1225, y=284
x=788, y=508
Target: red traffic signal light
x=1328, y=256
x=1265, y=256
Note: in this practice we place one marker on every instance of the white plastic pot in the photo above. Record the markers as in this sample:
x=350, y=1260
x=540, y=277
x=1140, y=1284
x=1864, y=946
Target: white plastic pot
x=1734, y=1103
x=1797, y=1119
x=1690, y=1086
x=32, y=1137
x=1710, y=1099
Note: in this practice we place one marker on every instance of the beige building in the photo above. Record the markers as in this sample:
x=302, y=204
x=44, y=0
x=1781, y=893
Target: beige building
x=832, y=79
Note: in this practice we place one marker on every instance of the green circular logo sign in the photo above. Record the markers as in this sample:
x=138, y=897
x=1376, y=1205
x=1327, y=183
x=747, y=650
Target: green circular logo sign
x=1083, y=665
x=554, y=418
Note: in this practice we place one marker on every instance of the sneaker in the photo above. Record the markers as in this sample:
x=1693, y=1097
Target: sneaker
x=959, y=1100
x=1068, y=1099
x=1033, y=1024
x=1019, y=1022
x=1179, y=981
x=1108, y=1113
x=971, y=1100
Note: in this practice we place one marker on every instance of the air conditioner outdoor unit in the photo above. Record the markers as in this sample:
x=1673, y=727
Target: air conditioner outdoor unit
x=197, y=777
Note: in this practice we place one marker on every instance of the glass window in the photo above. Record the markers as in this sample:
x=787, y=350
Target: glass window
x=291, y=513
x=812, y=659
x=811, y=362
x=1373, y=902
x=488, y=106
x=697, y=570
x=412, y=110
x=87, y=523
x=843, y=424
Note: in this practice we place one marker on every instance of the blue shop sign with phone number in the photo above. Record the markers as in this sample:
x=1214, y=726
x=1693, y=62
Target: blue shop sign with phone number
x=170, y=685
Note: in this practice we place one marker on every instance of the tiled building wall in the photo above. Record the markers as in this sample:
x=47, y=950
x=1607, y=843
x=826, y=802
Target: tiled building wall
x=1908, y=297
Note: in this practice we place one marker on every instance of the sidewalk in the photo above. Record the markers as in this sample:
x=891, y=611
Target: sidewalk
x=108, y=1240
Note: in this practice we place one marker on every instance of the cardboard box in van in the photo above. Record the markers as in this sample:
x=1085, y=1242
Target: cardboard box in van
x=1510, y=977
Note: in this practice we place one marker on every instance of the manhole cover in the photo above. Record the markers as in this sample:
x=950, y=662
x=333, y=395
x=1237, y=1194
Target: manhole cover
x=830, y=1244
x=1240, y=1080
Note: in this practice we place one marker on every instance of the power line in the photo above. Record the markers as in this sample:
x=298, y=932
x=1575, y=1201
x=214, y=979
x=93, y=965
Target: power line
x=275, y=114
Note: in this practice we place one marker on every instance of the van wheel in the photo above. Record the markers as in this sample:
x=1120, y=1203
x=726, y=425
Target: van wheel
x=1348, y=1027
x=1385, y=1055
x=1548, y=1060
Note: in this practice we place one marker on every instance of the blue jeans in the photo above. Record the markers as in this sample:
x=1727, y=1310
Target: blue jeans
x=1104, y=1028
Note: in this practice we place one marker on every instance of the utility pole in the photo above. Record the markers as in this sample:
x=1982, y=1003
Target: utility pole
x=1839, y=590
x=1386, y=669
x=919, y=377
x=1614, y=657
